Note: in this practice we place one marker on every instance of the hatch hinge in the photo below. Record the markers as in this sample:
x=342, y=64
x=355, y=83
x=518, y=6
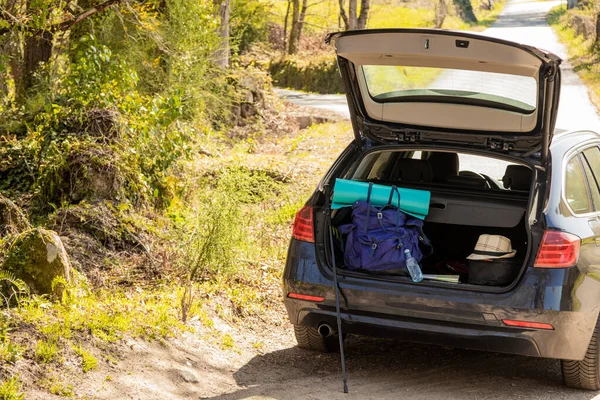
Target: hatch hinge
x=408, y=137
x=499, y=145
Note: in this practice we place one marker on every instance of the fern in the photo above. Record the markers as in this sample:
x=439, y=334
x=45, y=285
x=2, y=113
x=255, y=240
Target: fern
x=18, y=284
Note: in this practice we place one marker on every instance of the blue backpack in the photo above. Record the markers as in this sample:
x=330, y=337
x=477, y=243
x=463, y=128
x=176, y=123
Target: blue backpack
x=377, y=237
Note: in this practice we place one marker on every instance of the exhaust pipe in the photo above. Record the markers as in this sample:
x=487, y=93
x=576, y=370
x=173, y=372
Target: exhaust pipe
x=325, y=330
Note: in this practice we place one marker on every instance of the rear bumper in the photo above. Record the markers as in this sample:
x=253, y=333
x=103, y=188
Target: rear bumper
x=563, y=342
x=450, y=317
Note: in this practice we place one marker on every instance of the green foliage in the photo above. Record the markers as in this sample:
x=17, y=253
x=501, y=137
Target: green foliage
x=249, y=23
x=88, y=361
x=11, y=389
x=46, y=351
x=57, y=386
x=317, y=74
x=12, y=286
x=97, y=78
x=10, y=352
x=227, y=342
x=219, y=231
x=17, y=164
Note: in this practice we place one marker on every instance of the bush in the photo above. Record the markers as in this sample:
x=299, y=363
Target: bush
x=248, y=23
x=319, y=74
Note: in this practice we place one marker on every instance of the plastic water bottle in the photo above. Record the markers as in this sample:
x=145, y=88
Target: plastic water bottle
x=413, y=267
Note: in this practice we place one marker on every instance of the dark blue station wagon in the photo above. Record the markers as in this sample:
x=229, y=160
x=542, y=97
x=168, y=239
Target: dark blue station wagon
x=470, y=119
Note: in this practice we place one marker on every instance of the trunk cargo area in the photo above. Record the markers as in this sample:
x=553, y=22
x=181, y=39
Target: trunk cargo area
x=460, y=211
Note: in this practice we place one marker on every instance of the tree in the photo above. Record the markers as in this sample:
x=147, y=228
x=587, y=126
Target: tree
x=298, y=17
x=351, y=19
x=222, y=54
x=22, y=24
x=571, y=4
x=597, y=41
x=465, y=11
x=441, y=10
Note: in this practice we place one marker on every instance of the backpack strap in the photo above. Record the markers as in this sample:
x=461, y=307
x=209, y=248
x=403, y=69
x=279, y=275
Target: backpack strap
x=424, y=240
x=368, y=205
x=398, y=212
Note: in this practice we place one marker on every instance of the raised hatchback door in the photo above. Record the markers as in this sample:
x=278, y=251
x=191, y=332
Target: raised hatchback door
x=471, y=88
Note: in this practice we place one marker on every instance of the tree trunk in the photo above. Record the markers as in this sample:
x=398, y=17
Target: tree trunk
x=441, y=10
x=344, y=16
x=352, y=14
x=38, y=49
x=285, y=23
x=597, y=40
x=294, y=31
x=350, y=18
x=222, y=54
x=571, y=4
x=10, y=55
x=302, y=18
x=365, y=7
x=465, y=10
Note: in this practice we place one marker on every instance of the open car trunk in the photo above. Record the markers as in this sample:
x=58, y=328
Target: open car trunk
x=464, y=205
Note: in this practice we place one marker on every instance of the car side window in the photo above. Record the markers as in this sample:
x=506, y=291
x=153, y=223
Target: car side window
x=591, y=158
x=576, y=188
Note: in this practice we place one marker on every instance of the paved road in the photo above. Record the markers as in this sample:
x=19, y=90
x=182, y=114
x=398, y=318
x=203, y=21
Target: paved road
x=521, y=21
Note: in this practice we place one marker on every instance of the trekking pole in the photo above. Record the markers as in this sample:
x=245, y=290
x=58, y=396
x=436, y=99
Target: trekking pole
x=337, y=297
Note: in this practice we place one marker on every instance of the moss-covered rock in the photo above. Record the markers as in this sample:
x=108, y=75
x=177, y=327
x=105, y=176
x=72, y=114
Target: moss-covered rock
x=87, y=171
x=37, y=256
x=12, y=219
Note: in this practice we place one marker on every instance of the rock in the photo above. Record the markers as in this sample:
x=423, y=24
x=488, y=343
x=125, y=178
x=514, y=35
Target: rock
x=95, y=174
x=102, y=124
x=37, y=256
x=187, y=376
x=307, y=120
x=584, y=25
x=12, y=219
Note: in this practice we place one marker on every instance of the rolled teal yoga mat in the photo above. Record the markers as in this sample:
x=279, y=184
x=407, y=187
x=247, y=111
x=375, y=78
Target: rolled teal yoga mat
x=412, y=201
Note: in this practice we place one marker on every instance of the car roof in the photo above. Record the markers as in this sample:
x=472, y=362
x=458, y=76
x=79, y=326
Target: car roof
x=562, y=135
x=565, y=140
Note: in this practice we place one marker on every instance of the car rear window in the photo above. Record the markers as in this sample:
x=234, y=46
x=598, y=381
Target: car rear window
x=576, y=189
x=403, y=83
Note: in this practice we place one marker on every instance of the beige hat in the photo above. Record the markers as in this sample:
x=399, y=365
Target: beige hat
x=489, y=247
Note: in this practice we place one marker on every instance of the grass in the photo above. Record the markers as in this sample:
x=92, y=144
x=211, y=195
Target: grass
x=88, y=361
x=11, y=389
x=582, y=54
x=46, y=351
x=57, y=387
x=10, y=352
x=227, y=342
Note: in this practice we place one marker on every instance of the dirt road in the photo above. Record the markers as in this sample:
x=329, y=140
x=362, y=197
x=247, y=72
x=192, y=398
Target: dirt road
x=388, y=369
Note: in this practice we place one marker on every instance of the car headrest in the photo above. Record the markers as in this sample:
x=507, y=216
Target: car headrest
x=443, y=165
x=412, y=170
x=517, y=177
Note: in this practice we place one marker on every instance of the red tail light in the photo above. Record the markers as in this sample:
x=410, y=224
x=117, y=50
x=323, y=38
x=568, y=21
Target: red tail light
x=558, y=250
x=306, y=297
x=526, y=324
x=303, y=225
